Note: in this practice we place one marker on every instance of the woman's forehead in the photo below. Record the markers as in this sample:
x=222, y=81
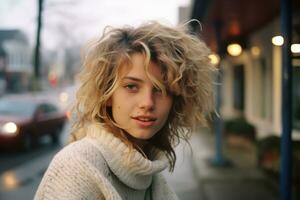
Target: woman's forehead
x=137, y=66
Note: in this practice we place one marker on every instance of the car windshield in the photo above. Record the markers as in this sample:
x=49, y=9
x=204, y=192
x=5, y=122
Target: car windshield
x=21, y=108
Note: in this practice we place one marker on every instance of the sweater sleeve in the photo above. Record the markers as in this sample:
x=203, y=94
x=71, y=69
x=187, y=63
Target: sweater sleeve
x=72, y=177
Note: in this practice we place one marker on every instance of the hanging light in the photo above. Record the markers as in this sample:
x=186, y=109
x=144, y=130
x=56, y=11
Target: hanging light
x=278, y=40
x=295, y=48
x=255, y=51
x=234, y=49
x=214, y=58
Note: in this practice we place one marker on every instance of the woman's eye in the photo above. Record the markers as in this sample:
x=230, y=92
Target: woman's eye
x=131, y=87
x=157, y=90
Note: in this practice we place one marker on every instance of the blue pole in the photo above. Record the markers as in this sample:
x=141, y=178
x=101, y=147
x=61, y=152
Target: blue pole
x=286, y=107
x=218, y=123
x=219, y=158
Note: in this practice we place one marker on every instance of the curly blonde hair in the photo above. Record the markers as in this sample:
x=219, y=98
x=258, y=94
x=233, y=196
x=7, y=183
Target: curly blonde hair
x=186, y=70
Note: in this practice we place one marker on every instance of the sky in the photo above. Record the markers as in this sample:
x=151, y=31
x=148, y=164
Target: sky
x=77, y=21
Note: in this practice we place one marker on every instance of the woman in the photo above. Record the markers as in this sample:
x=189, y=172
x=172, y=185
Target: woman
x=141, y=90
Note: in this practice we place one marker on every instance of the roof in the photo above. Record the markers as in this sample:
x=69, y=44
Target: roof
x=235, y=18
x=32, y=97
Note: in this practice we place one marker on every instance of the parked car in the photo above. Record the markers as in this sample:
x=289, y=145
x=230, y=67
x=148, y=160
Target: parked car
x=24, y=119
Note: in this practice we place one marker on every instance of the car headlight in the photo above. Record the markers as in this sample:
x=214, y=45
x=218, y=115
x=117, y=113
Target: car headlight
x=9, y=128
x=63, y=97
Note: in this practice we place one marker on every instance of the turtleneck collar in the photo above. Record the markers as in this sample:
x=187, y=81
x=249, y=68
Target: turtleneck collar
x=130, y=166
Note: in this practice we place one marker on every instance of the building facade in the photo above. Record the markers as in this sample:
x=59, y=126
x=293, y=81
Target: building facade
x=252, y=82
x=15, y=60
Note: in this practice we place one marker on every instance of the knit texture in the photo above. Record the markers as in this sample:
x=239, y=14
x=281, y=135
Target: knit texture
x=101, y=166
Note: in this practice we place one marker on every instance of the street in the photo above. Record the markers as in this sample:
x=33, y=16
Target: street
x=21, y=173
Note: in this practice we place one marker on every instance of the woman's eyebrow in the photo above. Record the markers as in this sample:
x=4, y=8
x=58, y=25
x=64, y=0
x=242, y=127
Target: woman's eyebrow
x=133, y=79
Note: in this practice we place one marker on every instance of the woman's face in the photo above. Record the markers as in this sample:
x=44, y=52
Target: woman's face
x=137, y=106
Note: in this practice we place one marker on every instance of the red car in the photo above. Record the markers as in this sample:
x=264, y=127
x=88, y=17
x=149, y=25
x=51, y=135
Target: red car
x=24, y=119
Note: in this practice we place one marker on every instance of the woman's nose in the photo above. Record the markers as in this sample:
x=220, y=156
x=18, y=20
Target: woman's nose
x=147, y=101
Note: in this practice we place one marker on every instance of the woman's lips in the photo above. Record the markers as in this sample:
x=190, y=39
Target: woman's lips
x=144, y=121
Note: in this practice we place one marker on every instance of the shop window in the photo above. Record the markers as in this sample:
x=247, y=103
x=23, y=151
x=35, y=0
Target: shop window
x=266, y=90
x=296, y=97
x=238, y=87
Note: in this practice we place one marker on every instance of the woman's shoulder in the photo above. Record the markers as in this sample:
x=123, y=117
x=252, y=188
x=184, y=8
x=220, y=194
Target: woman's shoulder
x=82, y=151
x=77, y=163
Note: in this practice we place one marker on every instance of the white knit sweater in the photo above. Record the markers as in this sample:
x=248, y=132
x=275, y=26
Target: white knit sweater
x=98, y=167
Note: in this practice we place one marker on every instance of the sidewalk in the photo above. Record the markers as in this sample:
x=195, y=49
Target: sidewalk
x=242, y=180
